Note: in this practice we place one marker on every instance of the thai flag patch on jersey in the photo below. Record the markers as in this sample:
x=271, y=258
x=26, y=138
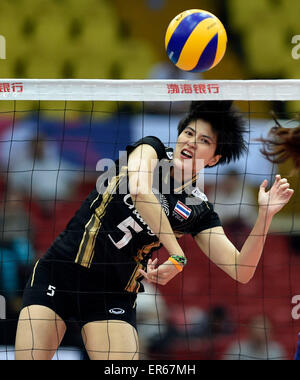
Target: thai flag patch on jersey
x=182, y=210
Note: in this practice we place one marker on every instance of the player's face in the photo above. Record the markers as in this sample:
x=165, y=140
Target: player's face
x=195, y=148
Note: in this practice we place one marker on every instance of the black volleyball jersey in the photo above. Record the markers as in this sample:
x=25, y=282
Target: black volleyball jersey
x=107, y=234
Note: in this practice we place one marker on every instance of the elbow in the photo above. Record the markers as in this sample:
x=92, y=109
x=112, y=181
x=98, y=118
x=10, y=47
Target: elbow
x=244, y=280
x=138, y=189
x=138, y=194
x=241, y=276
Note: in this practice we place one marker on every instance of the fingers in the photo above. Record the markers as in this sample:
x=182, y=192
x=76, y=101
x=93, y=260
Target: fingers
x=288, y=193
x=150, y=269
x=282, y=187
x=280, y=181
x=142, y=272
x=154, y=276
x=276, y=183
x=152, y=273
x=264, y=184
x=161, y=275
x=280, y=184
x=151, y=264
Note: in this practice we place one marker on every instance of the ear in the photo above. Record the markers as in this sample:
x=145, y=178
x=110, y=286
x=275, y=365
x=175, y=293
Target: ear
x=213, y=161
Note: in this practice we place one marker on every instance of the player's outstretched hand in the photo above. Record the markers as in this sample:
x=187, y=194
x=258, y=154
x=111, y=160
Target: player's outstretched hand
x=276, y=198
x=159, y=275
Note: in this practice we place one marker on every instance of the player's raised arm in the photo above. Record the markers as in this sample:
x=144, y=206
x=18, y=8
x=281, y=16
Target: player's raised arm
x=241, y=265
x=141, y=164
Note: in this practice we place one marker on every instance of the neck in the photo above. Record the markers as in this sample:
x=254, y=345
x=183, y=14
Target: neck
x=180, y=182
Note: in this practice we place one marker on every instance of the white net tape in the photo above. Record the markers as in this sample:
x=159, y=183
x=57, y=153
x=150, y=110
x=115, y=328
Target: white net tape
x=148, y=90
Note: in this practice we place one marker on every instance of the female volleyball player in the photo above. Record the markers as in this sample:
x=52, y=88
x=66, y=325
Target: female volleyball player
x=93, y=270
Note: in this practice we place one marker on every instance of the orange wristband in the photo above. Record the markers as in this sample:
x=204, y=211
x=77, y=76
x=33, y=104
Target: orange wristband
x=177, y=265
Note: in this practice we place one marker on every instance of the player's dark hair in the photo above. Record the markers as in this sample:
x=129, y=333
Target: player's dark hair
x=226, y=122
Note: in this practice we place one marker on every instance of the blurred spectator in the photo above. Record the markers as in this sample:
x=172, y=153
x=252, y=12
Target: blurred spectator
x=236, y=205
x=294, y=241
x=151, y=318
x=36, y=170
x=234, y=200
x=16, y=252
x=258, y=345
x=215, y=323
x=194, y=328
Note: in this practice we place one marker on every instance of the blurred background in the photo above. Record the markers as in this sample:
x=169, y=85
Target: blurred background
x=49, y=151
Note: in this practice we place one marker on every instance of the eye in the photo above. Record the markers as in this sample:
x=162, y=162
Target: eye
x=188, y=132
x=204, y=140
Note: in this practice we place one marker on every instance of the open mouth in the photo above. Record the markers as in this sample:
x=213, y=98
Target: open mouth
x=186, y=154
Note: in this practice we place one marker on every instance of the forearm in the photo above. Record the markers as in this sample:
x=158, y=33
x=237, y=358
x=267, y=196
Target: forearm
x=250, y=254
x=152, y=213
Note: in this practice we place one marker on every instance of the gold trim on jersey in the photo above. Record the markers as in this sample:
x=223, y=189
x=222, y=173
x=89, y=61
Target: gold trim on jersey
x=95, y=200
x=179, y=189
x=133, y=285
x=33, y=274
x=186, y=184
x=86, y=250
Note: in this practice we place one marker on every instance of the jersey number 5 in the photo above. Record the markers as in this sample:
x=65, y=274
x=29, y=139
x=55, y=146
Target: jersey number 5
x=123, y=226
x=51, y=290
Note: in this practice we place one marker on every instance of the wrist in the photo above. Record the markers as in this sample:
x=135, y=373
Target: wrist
x=179, y=261
x=265, y=212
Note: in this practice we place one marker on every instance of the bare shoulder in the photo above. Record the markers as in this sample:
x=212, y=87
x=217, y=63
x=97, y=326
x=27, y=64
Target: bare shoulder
x=143, y=151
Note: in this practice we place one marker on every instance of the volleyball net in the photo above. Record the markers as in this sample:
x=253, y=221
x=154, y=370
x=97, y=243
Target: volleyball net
x=57, y=136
